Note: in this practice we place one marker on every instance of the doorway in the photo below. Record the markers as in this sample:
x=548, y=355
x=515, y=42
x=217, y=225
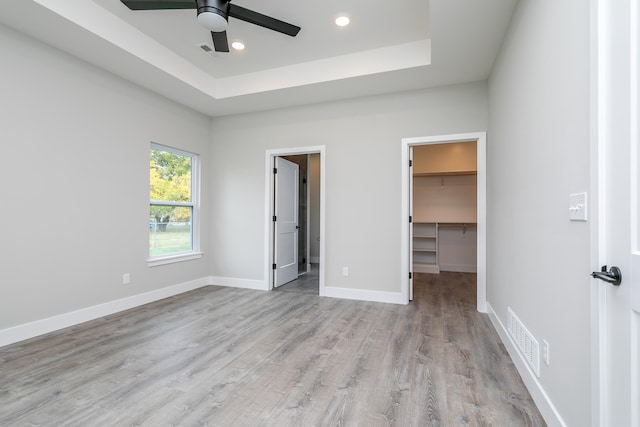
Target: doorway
x=407, y=264
x=309, y=207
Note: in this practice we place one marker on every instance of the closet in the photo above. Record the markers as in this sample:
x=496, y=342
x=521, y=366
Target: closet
x=445, y=208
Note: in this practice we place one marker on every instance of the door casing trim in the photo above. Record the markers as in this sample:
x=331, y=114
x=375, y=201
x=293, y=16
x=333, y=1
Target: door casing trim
x=481, y=147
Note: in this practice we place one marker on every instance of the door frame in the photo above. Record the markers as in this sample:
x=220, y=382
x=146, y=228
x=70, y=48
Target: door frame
x=270, y=156
x=481, y=146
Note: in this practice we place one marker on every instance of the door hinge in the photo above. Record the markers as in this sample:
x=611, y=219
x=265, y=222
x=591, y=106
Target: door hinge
x=275, y=170
x=304, y=260
x=410, y=275
x=410, y=218
x=304, y=181
x=275, y=218
x=410, y=163
x=273, y=266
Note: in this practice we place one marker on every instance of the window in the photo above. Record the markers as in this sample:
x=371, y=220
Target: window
x=173, y=205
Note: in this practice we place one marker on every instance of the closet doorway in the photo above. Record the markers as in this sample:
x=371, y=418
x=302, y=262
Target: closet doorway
x=300, y=250
x=444, y=208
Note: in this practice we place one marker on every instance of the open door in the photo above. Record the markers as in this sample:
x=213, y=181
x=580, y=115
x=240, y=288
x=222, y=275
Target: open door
x=411, y=272
x=286, y=222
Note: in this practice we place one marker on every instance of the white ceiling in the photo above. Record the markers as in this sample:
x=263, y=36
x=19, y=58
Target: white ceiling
x=389, y=46
x=319, y=38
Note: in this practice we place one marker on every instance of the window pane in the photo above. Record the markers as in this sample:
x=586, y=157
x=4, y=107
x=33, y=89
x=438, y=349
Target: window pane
x=170, y=176
x=170, y=230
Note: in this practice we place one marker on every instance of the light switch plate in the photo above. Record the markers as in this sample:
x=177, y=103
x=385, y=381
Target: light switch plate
x=578, y=207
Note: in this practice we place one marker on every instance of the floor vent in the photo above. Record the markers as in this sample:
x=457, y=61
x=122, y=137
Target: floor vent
x=525, y=341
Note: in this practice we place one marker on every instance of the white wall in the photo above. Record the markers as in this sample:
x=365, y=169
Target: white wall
x=362, y=139
x=445, y=198
x=74, y=182
x=538, y=153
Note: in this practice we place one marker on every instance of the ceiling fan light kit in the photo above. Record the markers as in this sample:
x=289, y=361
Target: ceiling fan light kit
x=214, y=16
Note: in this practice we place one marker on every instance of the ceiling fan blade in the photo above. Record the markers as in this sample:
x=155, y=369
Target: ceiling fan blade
x=262, y=20
x=220, y=42
x=159, y=4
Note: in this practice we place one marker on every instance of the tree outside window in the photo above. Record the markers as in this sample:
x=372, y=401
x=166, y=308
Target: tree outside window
x=171, y=207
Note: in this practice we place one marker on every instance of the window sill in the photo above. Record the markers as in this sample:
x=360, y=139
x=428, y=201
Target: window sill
x=154, y=262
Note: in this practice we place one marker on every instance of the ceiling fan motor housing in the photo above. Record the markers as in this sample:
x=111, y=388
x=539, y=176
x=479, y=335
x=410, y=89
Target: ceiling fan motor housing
x=213, y=14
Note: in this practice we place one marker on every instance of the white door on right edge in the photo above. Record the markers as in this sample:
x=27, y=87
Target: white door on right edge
x=619, y=232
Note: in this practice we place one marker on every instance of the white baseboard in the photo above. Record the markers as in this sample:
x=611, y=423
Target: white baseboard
x=54, y=323
x=363, y=295
x=232, y=282
x=314, y=259
x=540, y=397
x=458, y=268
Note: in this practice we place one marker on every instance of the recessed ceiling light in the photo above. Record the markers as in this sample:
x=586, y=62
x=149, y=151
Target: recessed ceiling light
x=342, y=21
x=237, y=45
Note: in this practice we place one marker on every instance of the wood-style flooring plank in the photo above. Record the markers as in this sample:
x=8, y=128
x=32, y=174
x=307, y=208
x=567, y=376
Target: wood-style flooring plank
x=233, y=357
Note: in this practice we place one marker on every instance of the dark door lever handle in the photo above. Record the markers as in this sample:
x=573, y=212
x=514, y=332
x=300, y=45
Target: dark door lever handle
x=613, y=276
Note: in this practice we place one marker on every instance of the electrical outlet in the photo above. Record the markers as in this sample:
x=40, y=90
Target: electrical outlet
x=126, y=279
x=345, y=271
x=545, y=352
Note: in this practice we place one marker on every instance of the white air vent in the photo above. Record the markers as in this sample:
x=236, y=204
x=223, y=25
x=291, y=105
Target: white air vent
x=525, y=341
x=205, y=47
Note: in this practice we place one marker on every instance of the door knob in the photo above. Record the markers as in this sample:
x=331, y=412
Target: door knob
x=613, y=276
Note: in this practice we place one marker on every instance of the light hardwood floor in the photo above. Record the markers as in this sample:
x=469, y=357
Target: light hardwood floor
x=234, y=357
x=307, y=283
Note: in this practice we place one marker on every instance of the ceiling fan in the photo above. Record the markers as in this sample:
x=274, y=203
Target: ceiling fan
x=214, y=16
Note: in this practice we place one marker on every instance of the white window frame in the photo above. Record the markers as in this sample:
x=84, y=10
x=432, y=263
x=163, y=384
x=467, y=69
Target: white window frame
x=194, y=204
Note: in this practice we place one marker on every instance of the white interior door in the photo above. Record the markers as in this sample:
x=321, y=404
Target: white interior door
x=634, y=213
x=619, y=211
x=411, y=273
x=286, y=222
